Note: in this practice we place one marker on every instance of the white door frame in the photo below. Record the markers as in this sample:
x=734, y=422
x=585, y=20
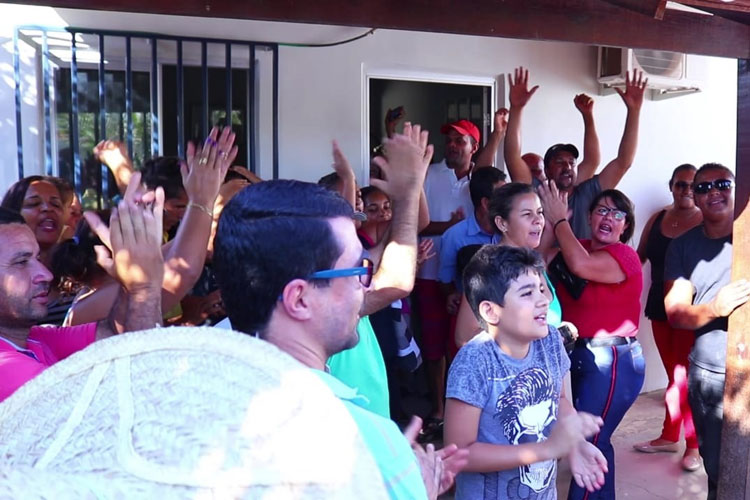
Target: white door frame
x=400, y=72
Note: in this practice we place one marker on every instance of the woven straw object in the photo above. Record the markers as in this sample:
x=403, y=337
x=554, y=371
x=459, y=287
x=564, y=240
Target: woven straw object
x=181, y=413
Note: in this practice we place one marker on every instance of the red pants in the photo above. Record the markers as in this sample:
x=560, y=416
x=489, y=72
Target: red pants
x=674, y=346
x=437, y=325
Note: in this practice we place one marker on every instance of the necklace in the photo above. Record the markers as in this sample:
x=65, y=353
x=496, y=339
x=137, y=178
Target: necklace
x=676, y=222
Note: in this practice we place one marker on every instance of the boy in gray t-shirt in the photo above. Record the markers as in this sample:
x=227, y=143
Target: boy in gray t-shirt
x=504, y=388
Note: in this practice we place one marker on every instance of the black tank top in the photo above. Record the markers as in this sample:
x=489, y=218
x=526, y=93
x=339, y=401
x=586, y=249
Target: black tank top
x=656, y=251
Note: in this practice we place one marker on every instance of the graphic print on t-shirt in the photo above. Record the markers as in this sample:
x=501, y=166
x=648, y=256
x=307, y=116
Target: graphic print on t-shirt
x=527, y=409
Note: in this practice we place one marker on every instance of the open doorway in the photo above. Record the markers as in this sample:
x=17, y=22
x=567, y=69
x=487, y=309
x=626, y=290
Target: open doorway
x=429, y=102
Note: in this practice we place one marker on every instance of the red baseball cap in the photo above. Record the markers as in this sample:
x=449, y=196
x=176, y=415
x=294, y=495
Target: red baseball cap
x=463, y=127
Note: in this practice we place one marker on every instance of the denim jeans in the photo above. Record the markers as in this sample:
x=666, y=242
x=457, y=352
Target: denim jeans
x=605, y=381
x=706, y=397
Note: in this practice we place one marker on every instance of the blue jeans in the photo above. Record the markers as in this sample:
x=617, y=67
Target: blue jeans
x=605, y=381
x=706, y=398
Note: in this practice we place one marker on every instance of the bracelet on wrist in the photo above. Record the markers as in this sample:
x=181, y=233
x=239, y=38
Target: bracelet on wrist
x=564, y=219
x=201, y=208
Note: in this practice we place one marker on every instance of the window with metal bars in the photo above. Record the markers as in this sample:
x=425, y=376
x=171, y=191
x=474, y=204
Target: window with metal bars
x=152, y=92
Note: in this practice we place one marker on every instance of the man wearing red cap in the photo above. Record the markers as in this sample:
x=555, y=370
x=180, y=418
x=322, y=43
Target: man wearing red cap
x=446, y=189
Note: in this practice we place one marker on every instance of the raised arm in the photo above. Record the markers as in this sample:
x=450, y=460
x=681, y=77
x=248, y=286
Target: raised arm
x=486, y=157
x=202, y=176
x=184, y=256
x=134, y=259
x=597, y=266
x=114, y=155
x=633, y=99
x=346, y=175
x=591, y=152
x=407, y=157
x=519, y=95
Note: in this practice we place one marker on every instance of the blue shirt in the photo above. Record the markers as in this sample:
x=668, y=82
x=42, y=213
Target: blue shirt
x=519, y=399
x=390, y=449
x=466, y=232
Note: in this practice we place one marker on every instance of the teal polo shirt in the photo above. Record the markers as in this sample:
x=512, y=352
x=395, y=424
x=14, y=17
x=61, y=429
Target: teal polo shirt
x=362, y=367
x=390, y=449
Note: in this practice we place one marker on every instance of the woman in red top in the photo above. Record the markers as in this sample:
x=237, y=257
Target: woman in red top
x=599, y=287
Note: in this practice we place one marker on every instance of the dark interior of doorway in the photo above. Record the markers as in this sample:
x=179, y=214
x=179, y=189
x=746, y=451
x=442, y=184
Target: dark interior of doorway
x=431, y=105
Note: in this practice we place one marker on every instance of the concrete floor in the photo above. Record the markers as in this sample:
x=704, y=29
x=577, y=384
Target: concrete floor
x=643, y=476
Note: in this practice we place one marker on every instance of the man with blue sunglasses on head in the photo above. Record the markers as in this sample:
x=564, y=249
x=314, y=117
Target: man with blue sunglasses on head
x=292, y=271
x=700, y=297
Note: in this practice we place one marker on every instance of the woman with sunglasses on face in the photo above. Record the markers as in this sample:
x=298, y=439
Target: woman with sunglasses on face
x=599, y=287
x=674, y=344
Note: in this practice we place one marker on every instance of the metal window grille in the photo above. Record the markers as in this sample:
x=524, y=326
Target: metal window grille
x=141, y=89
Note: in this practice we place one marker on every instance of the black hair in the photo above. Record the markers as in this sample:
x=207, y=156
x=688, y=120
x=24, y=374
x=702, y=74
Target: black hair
x=681, y=168
x=73, y=261
x=13, y=199
x=368, y=190
x=712, y=166
x=491, y=271
x=8, y=216
x=501, y=202
x=330, y=181
x=65, y=188
x=482, y=183
x=269, y=234
x=164, y=172
x=622, y=202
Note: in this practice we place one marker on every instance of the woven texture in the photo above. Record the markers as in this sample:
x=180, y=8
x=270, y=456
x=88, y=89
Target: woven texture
x=181, y=413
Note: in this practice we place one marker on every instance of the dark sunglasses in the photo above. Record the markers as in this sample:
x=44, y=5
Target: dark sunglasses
x=364, y=272
x=719, y=184
x=683, y=185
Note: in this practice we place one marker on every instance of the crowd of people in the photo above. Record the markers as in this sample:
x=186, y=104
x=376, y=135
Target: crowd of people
x=499, y=285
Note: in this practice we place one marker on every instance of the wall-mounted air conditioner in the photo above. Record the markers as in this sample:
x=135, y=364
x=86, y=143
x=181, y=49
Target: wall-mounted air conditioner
x=667, y=72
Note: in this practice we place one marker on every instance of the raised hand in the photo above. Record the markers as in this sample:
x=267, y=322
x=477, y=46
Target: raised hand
x=392, y=117
x=405, y=161
x=132, y=244
x=501, y=121
x=112, y=153
x=588, y=466
x=554, y=201
x=340, y=164
x=204, y=171
x=635, y=88
x=425, y=251
x=584, y=104
x=519, y=93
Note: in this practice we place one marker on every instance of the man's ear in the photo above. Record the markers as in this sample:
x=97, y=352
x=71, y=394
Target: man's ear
x=490, y=312
x=296, y=301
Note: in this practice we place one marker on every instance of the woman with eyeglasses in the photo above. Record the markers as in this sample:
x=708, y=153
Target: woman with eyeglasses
x=599, y=283
x=674, y=344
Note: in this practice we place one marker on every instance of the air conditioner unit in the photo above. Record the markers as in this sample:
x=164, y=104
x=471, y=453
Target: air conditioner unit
x=667, y=72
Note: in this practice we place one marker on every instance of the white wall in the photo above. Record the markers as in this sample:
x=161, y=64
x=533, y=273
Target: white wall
x=321, y=93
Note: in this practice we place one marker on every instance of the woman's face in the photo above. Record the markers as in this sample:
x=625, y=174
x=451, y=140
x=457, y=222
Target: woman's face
x=682, y=189
x=42, y=210
x=607, y=222
x=525, y=222
x=174, y=210
x=378, y=207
